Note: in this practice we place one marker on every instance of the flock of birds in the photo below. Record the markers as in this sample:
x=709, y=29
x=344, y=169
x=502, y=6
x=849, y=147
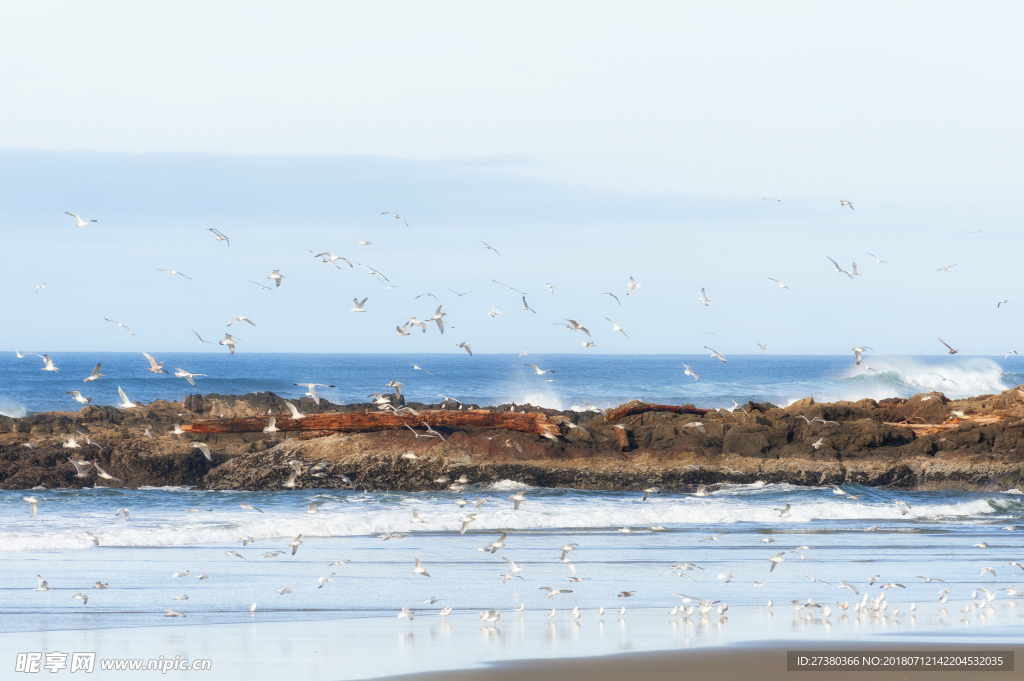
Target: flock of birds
x=982, y=595
x=689, y=605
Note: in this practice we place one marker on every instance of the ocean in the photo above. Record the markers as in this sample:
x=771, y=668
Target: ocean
x=349, y=628
x=601, y=380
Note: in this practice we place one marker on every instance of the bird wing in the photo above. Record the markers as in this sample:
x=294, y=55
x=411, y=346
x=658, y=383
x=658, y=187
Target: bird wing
x=152, y=362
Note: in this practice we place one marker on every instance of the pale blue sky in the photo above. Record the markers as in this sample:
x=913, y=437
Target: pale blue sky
x=587, y=142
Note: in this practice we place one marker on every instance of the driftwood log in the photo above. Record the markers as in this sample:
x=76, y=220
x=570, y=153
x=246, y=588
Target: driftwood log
x=538, y=424
x=641, y=407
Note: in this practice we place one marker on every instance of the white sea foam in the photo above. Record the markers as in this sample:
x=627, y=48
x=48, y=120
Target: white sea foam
x=15, y=411
x=504, y=486
x=1013, y=491
x=372, y=517
x=898, y=375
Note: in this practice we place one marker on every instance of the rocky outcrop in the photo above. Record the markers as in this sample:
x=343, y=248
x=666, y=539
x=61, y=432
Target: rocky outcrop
x=923, y=442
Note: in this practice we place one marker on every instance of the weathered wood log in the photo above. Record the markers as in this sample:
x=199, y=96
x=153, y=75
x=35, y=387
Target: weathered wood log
x=641, y=407
x=538, y=424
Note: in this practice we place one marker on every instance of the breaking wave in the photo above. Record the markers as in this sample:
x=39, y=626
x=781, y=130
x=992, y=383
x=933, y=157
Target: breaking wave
x=356, y=516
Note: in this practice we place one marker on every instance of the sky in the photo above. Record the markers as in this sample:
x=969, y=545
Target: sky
x=586, y=142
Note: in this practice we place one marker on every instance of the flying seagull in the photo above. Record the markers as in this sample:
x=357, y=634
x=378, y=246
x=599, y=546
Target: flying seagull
x=331, y=258
x=715, y=353
x=218, y=236
x=946, y=269
x=879, y=261
x=120, y=325
x=230, y=342
x=79, y=222
x=154, y=366
x=397, y=216
x=857, y=353
x=97, y=375
x=241, y=319
x=357, y=305
x=781, y=285
x=613, y=296
x=466, y=347
x=265, y=288
x=526, y=306
x=630, y=286
x=616, y=327
x=173, y=272
x=311, y=388
x=416, y=367
x=844, y=202
x=181, y=373
x=201, y=341
x=48, y=364
x=704, y=298
x=951, y=350
x=276, y=276
x=490, y=248
x=509, y=288
x=840, y=269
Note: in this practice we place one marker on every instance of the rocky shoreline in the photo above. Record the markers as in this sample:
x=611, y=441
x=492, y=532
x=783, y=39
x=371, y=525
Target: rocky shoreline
x=926, y=442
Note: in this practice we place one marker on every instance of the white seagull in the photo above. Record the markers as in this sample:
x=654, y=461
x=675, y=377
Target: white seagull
x=125, y=402
x=358, y=306
x=616, y=327
x=715, y=353
x=96, y=374
x=704, y=298
x=120, y=325
x=276, y=276
x=781, y=285
x=79, y=222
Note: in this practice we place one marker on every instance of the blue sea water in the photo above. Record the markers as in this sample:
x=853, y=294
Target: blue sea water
x=601, y=380
x=177, y=529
